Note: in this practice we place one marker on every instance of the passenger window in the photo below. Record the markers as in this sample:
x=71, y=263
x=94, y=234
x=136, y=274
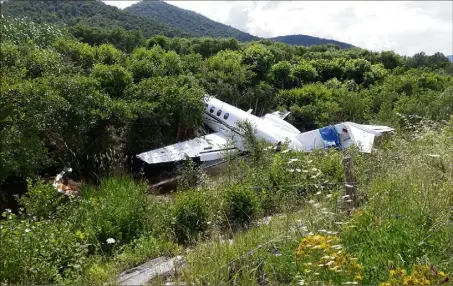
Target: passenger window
x=212, y=109
x=219, y=112
x=226, y=116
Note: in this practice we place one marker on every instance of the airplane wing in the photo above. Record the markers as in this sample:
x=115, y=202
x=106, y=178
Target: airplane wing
x=207, y=148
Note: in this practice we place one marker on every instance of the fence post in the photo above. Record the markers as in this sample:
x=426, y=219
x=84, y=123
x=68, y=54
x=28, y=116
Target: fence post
x=349, y=184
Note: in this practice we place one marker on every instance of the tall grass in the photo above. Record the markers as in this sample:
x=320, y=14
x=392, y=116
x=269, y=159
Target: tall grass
x=404, y=223
x=279, y=218
x=62, y=240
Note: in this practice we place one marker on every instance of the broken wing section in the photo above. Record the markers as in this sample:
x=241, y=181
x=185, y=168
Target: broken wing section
x=207, y=148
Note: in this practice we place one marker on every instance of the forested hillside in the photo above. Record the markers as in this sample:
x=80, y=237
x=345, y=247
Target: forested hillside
x=92, y=13
x=86, y=99
x=148, y=17
x=188, y=21
x=91, y=99
x=304, y=40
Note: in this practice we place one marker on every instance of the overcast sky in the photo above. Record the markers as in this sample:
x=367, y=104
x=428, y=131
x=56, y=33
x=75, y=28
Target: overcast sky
x=407, y=27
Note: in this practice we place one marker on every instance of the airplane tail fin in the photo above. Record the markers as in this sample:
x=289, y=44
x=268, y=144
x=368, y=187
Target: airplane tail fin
x=363, y=135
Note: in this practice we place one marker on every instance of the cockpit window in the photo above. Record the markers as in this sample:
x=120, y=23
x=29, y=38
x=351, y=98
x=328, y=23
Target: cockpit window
x=212, y=109
x=219, y=112
x=226, y=116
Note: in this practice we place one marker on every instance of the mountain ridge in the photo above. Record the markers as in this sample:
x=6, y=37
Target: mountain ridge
x=149, y=17
x=305, y=40
x=185, y=20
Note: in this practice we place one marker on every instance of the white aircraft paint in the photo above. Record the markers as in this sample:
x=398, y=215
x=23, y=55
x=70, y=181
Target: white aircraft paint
x=223, y=119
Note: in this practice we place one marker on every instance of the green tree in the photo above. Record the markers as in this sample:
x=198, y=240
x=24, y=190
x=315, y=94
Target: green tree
x=146, y=63
x=160, y=106
x=280, y=75
x=304, y=72
x=114, y=79
x=390, y=60
x=159, y=40
x=259, y=59
x=260, y=97
x=225, y=76
x=355, y=69
x=107, y=54
x=79, y=53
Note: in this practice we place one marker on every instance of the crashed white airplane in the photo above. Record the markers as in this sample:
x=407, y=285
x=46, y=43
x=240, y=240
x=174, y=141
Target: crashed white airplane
x=223, y=120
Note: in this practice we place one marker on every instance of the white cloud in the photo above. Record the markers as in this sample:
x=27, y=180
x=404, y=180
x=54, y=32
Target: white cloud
x=405, y=27
x=120, y=4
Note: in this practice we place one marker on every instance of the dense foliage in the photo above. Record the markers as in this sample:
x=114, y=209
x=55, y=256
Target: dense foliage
x=65, y=100
x=185, y=20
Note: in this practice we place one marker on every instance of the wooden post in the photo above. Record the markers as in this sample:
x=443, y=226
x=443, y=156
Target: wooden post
x=350, y=184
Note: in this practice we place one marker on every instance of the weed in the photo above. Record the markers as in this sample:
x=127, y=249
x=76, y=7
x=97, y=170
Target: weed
x=241, y=207
x=190, y=216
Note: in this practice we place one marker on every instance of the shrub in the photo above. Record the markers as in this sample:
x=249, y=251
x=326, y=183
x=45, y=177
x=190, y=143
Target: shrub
x=241, y=206
x=40, y=252
x=190, y=216
x=42, y=200
x=117, y=210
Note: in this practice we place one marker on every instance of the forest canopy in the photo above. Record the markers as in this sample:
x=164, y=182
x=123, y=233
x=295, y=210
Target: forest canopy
x=71, y=93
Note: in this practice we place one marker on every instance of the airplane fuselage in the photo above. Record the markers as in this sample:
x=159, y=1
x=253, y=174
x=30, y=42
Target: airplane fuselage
x=224, y=120
x=222, y=117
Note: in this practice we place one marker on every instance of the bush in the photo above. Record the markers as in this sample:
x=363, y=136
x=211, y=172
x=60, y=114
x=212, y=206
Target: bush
x=40, y=252
x=42, y=200
x=190, y=216
x=117, y=210
x=241, y=207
